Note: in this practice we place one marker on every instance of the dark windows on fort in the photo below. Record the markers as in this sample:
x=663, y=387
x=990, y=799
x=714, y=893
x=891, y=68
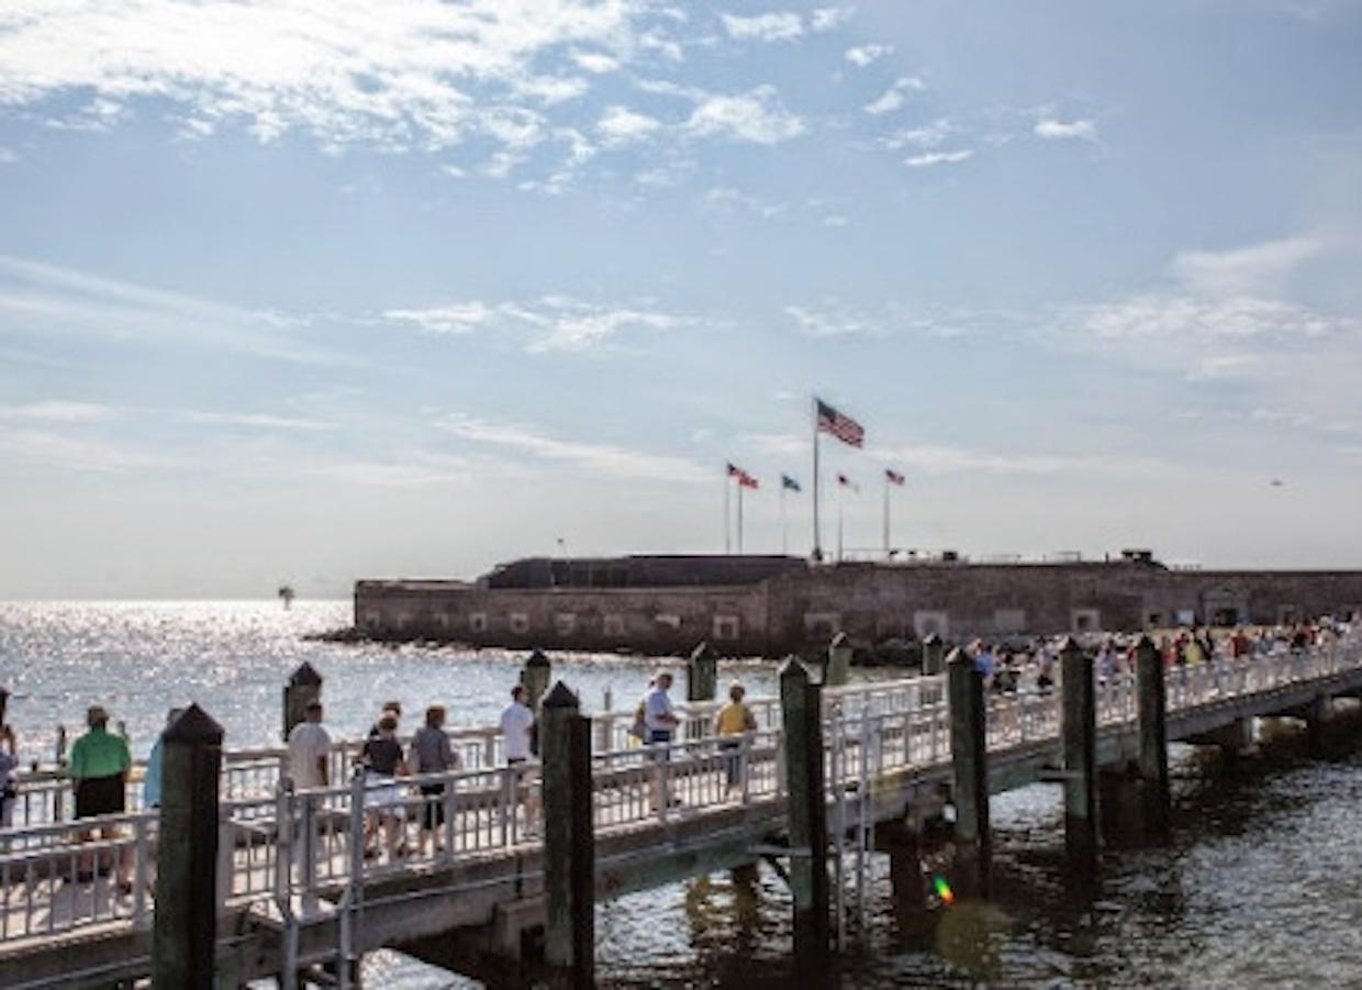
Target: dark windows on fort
x=477, y=622
x=726, y=627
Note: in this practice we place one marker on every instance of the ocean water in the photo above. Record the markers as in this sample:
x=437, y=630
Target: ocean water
x=1258, y=886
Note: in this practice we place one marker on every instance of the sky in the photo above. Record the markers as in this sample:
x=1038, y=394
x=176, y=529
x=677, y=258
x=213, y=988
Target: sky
x=303, y=291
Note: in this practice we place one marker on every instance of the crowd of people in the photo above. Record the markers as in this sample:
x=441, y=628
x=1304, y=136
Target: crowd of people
x=1033, y=665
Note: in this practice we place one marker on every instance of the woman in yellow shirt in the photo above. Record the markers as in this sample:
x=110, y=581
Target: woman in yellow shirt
x=732, y=722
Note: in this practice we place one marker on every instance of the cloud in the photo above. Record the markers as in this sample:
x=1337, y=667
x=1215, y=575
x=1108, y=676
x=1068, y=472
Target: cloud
x=1260, y=269
x=938, y=158
x=775, y=26
x=824, y=324
x=834, y=319
x=552, y=323
x=756, y=116
x=54, y=411
x=620, y=125
x=1218, y=367
x=49, y=297
x=400, y=75
x=928, y=136
x=58, y=450
x=261, y=421
x=1058, y=130
x=602, y=458
x=1185, y=318
x=863, y=55
x=894, y=97
x=828, y=18
x=731, y=199
x=8, y=156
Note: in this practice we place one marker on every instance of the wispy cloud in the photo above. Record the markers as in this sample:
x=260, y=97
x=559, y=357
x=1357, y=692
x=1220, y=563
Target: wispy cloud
x=51, y=297
x=864, y=55
x=827, y=18
x=1058, y=130
x=727, y=198
x=1259, y=269
x=255, y=421
x=620, y=126
x=57, y=411
x=773, y=26
x=756, y=116
x=551, y=323
x=931, y=158
x=54, y=449
x=603, y=458
x=895, y=96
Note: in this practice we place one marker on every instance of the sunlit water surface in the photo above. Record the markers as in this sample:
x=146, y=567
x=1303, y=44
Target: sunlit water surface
x=1259, y=886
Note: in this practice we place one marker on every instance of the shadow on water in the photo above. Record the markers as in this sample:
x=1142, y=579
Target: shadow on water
x=1255, y=874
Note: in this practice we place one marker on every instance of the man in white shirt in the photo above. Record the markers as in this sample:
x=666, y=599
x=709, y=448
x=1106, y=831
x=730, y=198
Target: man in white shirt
x=517, y=728
x=661, y=722
x=309, y=746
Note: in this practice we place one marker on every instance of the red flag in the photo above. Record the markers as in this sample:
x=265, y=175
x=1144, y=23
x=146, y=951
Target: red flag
x=843, y=427
x=894, y=476
x=745, y=480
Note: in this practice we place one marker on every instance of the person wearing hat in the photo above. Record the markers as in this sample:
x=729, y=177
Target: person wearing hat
x=100, y=763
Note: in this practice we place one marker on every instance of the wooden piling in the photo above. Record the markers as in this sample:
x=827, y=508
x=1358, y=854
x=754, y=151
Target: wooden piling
x=304, y=687
x=933, y=655
x=838, y=670
x=1151, y=713
x=801, y=706
x=969, y=757
x=569, y=841
x=702, y=684
x=4, y=704
x=185, y=927
x=535, y=676
x=1078, y=738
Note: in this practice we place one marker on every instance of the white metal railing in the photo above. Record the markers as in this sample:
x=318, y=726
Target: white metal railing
x=293, y=849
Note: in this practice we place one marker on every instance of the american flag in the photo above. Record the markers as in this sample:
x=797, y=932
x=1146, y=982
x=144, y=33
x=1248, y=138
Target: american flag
x=745, y=480
x=894, y=477
x=846, y=482
x=789, y=484
x=843, y=427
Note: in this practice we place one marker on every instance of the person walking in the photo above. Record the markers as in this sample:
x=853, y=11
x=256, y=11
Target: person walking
x=432, y=752
x=309, y=750
x=660, y=722
x=155, y=773
x=517, y=741
x=99, y=768
x=383, y=764
x=9, y=763
x=734, y=723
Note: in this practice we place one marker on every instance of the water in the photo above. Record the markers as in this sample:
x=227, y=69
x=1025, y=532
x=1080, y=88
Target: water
x=1257, y=886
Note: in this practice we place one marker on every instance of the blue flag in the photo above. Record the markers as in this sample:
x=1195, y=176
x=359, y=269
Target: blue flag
x=789, y=483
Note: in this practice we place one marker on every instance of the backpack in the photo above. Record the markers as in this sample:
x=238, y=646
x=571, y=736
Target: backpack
x=639, y=729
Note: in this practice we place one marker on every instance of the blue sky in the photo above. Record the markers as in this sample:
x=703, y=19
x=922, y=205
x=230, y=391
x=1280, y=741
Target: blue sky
x=315, y=291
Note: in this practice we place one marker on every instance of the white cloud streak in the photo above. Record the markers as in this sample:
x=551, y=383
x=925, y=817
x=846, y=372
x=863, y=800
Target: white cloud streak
x=552, y=323
x=756, y=116
x=895, y=96
x=931, y=158
x=864, y=55
x=602, y=458
x=773, y=26
x=1058, y=130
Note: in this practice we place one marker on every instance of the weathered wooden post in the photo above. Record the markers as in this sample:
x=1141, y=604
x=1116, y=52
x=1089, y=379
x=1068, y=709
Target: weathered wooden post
x=802, y=717
x=535, y=676
x=933, y=655
x=4, y=704
x=185, y=926
x=969, y=757
x=1078, y=737
x=304, y=687
x=569, y=841
x=838, y=670
x=1151, y=714
x=702, y=673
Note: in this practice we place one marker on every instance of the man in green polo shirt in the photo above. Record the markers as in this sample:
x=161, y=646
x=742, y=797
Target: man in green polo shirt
x=99, y=768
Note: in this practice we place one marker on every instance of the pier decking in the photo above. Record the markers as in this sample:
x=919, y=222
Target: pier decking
x=296, y=889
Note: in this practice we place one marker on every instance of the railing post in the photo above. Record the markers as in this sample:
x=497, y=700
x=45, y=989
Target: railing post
x=802, y=719
x=1151, y=707
x=140, y=875
x=969, y=758
x=933, y=655
x=304, y=687
x=702, y=677
x=185, y=926
x=1079, y=740
x=569, y=841
x=838, y=670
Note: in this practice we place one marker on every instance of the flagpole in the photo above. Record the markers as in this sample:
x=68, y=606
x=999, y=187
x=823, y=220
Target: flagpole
x=784, y=541
x=740, y=488
x=728, y=483
x=839, y=520
x=886, y=516
x=817, y=541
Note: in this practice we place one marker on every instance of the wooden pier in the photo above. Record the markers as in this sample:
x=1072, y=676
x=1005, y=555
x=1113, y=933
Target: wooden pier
x=294, y=896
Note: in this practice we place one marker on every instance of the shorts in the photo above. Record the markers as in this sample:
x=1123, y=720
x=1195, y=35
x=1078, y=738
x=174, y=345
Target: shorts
x=101, y=796
x=660, y=738
x=432, y=806
x=387, y=798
